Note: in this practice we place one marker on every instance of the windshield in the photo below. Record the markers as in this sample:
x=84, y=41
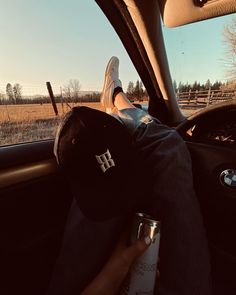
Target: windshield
x=202, y=62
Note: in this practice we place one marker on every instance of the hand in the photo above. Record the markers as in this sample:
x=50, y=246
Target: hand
x=111, y=277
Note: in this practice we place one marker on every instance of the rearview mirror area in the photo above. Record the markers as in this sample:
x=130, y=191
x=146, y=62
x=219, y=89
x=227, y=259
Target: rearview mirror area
x=181, y=12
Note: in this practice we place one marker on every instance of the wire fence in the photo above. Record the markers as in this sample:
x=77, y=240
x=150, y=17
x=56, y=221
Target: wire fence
x=36, y=102
x=31, y=91
x=201, y=99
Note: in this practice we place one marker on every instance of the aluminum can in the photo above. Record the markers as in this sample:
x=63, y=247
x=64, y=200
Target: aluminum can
x=142, y=277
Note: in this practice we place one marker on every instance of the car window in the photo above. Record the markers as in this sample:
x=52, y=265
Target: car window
x=56, y=47
x=202, y=62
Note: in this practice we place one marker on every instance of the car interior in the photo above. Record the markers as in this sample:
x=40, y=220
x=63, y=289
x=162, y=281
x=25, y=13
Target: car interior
x=35, y=199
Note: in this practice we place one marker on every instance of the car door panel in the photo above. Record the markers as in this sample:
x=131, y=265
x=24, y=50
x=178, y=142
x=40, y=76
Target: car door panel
x=34, y=203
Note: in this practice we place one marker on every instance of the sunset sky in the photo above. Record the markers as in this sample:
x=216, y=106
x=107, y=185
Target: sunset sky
x=58, y=40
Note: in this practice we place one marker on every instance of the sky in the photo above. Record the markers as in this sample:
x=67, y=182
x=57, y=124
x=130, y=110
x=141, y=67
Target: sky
x=197, y=51
x=59, y=40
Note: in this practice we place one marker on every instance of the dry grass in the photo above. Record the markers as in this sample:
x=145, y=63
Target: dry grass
x=32, y=122
x=30, y=112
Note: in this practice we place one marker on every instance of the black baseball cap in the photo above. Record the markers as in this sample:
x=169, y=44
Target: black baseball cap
x=96, y=153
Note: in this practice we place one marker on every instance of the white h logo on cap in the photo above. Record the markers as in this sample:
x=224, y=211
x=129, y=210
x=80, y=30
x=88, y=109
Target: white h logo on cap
x=105, y=161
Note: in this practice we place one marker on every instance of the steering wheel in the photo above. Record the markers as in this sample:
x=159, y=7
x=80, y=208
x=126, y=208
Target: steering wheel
x=207, y=120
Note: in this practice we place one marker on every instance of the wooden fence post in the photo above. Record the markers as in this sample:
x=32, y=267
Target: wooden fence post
x=209, y=97
x=51, y=95
x=212, y=95
x=189, y=96
x=196, y=96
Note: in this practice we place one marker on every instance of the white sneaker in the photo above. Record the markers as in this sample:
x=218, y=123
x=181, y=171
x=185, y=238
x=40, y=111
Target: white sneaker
x=110, y=83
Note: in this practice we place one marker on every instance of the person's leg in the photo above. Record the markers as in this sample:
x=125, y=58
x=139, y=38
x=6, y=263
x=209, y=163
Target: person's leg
x=184, y=254
x=184, y=263
x=121, y=102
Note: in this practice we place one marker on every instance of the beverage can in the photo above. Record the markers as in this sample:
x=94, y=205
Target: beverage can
x=142, y=277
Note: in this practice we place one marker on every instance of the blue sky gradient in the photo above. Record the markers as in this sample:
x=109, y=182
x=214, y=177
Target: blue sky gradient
x=197, y=51
x=58, y=40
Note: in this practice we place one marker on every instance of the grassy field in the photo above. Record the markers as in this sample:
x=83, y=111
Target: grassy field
x=32, y=122
x=29, y=112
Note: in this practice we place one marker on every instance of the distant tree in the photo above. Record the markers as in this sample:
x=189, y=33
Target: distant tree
x=130, y=90
x=229, y=38
x=180, y=87
x=186, y=87
x=202, y=86
x=10, y=94
x=17, y=92
x=71, y=90
x=138, y=90
x=90, y=97
x=67, y=93
x=208, y=84
x=141, y=90
x=195, y=86
x=216, y=85
x=75, y=88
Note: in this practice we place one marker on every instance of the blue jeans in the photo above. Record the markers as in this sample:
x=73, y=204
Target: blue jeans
x=184, y=257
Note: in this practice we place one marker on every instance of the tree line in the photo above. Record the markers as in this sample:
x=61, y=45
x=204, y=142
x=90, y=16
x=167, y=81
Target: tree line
x=136, y=91
x=70, y=93
x=92, y=97
x=185, y=87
